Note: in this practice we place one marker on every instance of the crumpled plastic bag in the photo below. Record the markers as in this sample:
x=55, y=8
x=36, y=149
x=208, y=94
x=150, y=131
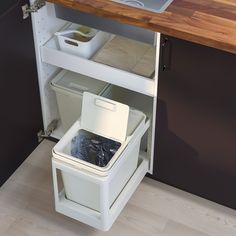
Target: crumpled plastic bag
x=93, y=148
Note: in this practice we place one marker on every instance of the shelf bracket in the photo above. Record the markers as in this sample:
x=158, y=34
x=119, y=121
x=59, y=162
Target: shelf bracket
x=26, y=9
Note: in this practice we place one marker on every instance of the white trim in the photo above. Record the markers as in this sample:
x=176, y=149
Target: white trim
x=158, y=41
x=52, y=55
x=44, y=24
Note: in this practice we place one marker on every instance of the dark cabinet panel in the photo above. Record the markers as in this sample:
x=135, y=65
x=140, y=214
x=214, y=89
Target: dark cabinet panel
x=196, y=120
x=6, y=5
x=21, y=117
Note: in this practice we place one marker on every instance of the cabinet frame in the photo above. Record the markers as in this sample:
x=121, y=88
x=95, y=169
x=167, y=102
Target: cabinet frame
x=49, y=63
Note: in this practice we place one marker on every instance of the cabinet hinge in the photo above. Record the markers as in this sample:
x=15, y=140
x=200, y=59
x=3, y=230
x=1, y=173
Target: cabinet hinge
x=47, y=133
x=26, y=9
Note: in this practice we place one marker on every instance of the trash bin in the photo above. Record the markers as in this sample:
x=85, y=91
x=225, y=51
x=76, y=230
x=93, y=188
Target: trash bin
x=111, y=120
x=69, y=88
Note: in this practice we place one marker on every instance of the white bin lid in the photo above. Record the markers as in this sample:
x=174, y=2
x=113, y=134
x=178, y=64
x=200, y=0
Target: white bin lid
x=104, y=117
x=76, y=83
x=97, y=122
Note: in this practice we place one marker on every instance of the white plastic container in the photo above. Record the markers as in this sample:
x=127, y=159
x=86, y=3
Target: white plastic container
x=68, y=41
x=111, y=120
x=69, y=88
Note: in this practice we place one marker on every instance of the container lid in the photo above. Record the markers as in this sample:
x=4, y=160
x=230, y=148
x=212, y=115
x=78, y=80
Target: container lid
x=104, y=117
x=77, y=83
x=62, y=150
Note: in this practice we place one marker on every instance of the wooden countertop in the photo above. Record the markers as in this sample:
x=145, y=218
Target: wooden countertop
x=208, y=22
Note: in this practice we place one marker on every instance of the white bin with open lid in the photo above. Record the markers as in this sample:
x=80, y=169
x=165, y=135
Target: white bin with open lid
x=114, y=121
x=69, y=88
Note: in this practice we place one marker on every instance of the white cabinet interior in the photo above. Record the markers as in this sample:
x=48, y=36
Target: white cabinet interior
x=127, y=87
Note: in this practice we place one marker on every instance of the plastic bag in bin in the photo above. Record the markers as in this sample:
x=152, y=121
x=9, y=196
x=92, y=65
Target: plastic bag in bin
x=93, y=148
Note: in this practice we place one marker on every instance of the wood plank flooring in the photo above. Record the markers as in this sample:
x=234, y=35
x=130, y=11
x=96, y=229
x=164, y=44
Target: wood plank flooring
x=27, y=208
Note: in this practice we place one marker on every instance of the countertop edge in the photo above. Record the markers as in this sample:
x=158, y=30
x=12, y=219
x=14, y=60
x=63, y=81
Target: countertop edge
x=147, y=24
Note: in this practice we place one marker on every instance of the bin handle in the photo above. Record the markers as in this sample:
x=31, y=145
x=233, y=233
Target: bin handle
x=106, y=105
x=71, y=42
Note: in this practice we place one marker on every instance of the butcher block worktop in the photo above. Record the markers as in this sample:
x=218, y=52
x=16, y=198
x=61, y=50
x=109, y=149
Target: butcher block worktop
x=207, y=22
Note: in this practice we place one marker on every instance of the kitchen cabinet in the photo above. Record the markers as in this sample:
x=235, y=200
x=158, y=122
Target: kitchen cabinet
x=196, y=115
x=21, y=117
x=127, y=86
x=190, y=109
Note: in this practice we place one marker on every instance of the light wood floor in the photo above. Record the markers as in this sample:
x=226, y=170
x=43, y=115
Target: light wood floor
x=27, y=209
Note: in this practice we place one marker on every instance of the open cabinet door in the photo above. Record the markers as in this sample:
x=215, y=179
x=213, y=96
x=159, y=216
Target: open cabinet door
x=21, y=116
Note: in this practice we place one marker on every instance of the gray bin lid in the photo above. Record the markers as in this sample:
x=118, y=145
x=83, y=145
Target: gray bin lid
x=75, y=83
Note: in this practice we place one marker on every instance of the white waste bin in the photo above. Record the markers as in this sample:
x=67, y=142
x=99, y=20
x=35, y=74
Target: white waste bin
x=112, y=120
x=69, y=88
